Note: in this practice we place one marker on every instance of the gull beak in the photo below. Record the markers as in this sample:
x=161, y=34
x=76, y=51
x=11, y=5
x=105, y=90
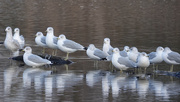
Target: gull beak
x=21, y=50
x=58, y=38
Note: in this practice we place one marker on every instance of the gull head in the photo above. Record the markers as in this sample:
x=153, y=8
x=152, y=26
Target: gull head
x=50, y=30
x=143, y=54
x=16, y=30
x=8, y=29
x=91, y=47
x=106, y=41
x=126, y=48
x=160, y=49
x=27, y=49
x=62, y=37
x=39, y=34
x=115, y=50
x=134, y=49
x=167, y=50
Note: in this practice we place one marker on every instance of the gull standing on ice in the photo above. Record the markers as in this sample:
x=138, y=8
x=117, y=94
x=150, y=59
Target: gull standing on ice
x=51, y=40
x=156, y=57
x=68, y=46
x=125, y=51
x=95, y=53
x=32, y=59
x=10, y=43
x=122, y=63
x=19, y=37
x=107, y=48
x=133, y=54
x=143, y=60
x=171, y=57
x=41, y=40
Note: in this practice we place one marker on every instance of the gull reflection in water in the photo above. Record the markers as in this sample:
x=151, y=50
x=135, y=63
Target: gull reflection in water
x=66, y=80
x=92, y=77
x=10, y=75
x=142, y=84
x=35, y=75
x=160, y=89
x=118, y=83
x=106, y=85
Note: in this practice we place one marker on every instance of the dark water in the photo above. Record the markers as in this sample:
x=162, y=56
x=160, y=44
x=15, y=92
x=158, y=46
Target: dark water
x=145, y=24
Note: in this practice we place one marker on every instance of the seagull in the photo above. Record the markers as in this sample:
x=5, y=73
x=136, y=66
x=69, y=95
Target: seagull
x=122, y=63
x=156, y=57
x=125, y=52
x=171, y=57
x=68, y=46
x=107, y=48
x=41, y=40
x=19, y=37
x=133, y=54
x=51, y=40
x=143, y=60
x=95, y=53
x=10, y=43
x=32, y=59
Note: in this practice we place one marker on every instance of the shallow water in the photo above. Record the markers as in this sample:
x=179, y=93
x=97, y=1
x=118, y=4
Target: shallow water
x=144, y=24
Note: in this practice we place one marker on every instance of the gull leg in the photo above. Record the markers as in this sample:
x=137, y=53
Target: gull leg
x=67, y=56
x=121, y=71
x=66, y=68
x=55, y=52
x=157, y=67
x=171, y=68
x=145, y=70
x=96, y=64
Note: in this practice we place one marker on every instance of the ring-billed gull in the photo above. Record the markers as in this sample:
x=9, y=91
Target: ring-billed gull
x=41, y=40
x=122, y=63
x=32, y=59
x=143, y=60
x=10, y=43
x=125, y=51
x=107, y=48
x=133, y=54
x=95, y=53
x=156, y=57
x=68, y=46
x=19, y=37
x=171, y=57
x=51, y=40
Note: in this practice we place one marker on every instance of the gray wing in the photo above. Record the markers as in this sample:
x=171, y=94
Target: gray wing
x=123, y=53
x=37, y=59
x=152, y=55
x=43, y=40
x=22, y=38
x=16, y=43
x=109, y=58
x=174, y=56
x=71, y=44
x=110, y=52
x=99, y=53
x=55, y=40
x=126, y=62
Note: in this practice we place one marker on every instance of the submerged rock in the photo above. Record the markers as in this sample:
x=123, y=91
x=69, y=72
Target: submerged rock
x=174, y=74
x=55, y=60
x=1, y=42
